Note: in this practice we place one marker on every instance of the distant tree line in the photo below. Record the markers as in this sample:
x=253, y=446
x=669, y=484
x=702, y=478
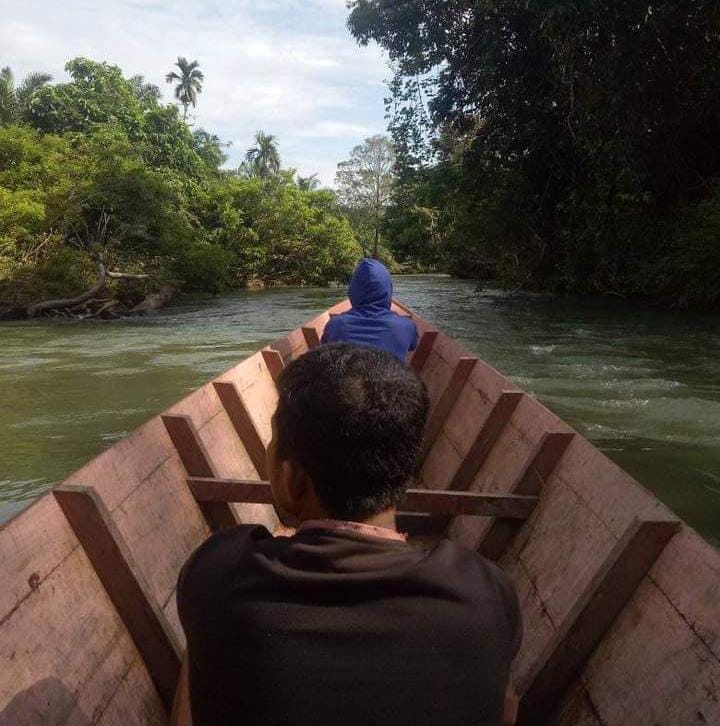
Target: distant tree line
x=562, y=145
x=109, y=198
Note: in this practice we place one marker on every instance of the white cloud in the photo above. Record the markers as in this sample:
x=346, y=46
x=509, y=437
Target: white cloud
x=289, y=67
x=338, y=130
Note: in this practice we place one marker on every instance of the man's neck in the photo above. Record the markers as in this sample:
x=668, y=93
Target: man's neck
x=385, y=519
x=375, y=526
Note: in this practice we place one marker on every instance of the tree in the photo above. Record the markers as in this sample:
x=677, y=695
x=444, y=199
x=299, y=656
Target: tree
x=97, y=94
x=7, y=96
x=365, y=181
x=308, y=183
x=15, y=102
x=188, y=82
x=148, y=93
x=209, y=148
x=263, y=159
x=107, y=197
x=580, y=131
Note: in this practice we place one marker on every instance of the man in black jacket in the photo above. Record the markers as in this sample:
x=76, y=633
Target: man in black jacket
x=344, y=623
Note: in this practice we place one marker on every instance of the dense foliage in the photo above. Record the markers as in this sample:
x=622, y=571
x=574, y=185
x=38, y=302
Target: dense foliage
x=564, y=145
x=96, y=170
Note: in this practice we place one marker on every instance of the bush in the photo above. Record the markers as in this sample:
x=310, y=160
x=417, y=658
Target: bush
x=101, y=170
x=203, y=266
x=687, y=271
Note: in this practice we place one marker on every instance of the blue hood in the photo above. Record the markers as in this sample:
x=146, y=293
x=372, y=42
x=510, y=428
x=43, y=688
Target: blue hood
x=371, y=285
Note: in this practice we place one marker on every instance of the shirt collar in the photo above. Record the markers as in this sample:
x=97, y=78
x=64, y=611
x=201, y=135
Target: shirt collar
x=367, y=530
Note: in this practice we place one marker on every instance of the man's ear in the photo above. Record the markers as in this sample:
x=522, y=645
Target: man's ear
x=297, y=484
x=293, y=494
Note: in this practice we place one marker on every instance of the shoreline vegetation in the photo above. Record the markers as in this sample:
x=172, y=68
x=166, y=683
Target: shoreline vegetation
x=110, y=203
x=535, y=163
x=563, y=147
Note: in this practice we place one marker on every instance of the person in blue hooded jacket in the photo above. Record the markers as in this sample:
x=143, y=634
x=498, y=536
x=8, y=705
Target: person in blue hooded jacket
x=370, y=321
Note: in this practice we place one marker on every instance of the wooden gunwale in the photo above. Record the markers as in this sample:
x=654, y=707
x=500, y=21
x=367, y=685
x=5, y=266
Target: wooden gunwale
x=510, y=506
x=624, y=673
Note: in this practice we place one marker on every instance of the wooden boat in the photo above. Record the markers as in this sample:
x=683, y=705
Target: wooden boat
x=620, y=600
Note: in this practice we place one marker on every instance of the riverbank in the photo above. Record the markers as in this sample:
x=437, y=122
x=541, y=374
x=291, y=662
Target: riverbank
x=642, y=385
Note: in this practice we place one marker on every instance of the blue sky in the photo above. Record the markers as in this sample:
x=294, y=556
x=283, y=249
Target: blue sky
x=289, y=67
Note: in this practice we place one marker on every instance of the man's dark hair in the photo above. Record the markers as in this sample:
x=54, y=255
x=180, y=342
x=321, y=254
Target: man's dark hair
x=354, y=418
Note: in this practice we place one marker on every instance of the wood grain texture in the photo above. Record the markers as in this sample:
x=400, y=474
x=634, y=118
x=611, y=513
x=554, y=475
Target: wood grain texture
x=542, y=463
x=196, y=461
x=284, y=347
x=595, y=609
x=274, y=361
x=654, y=667
x=416, y=500
x=423, y=350
x=115, y=567
x=486, y=438
x=130, y=706
x=63, y=648
x=445, y=404
x=312, y=339
x=243, y=423
x=538, y=469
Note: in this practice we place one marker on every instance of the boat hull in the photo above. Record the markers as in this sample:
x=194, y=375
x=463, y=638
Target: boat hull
x=645, y=650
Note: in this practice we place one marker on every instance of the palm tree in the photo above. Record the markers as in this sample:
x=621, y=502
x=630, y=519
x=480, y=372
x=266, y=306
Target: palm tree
x=308, y=183
x=189, y=83
x=7, y=96
x=264, y=158
x=15, y=102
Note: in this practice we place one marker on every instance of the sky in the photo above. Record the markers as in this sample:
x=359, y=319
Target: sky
x=288, y=67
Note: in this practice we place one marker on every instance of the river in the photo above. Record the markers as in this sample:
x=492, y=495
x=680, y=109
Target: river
x=643, y=385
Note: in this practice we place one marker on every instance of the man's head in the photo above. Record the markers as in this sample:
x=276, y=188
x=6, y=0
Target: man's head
x=347, y=432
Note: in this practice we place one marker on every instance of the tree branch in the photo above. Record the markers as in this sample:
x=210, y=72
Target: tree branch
x=125, y=275
x=33, y=310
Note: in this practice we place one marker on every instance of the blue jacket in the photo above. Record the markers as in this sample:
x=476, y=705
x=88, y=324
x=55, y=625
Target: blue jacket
x=370, y=320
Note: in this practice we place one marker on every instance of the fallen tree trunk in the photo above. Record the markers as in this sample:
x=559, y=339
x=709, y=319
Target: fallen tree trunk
x=156, y=300
x=104, y=275
x=107, y=309
x=32, y=310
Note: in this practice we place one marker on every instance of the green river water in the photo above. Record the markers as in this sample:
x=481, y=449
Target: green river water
x=643, y=385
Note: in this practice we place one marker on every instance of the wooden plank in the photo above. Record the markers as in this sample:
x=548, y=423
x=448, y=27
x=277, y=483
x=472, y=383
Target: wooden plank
x=115, y=567
x=274, y=362
x=195, y=459
x=56, y=620
x=243, y=424
x=469, y=503
x=543, y=462
x=311, y=337
x=449, y=397
x=539, y=468
x=423, y=350
x=595, y=610
x=487, y=437
x=190, y=448
x=417, y=500
x=283, y=347
x=230, y=490
x=408, y=312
